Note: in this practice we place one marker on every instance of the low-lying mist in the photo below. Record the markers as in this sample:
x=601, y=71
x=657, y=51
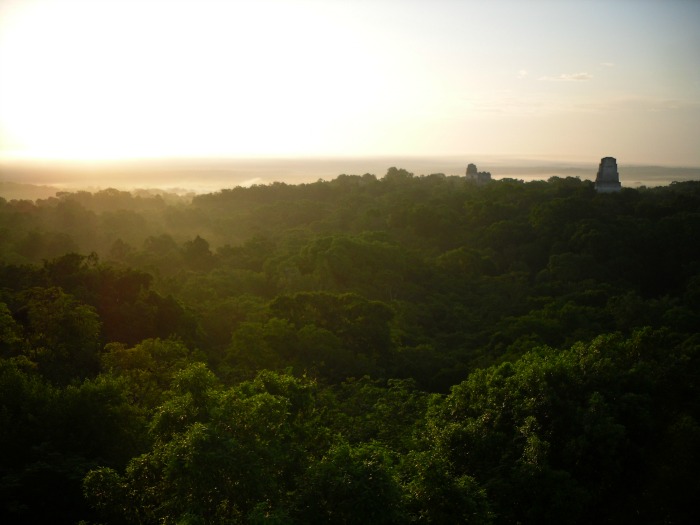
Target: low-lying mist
x=196, y=176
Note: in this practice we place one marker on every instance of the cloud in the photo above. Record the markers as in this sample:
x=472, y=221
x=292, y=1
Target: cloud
x=522, y=73
x=251, y=182
x=641, y=105
x=568, y=77
x=607, y=64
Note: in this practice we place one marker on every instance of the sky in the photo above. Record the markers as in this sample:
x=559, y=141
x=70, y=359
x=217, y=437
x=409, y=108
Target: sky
x=579, y=80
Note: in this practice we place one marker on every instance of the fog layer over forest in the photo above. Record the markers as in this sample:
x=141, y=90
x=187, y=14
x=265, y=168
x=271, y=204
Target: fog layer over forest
x=208, y=175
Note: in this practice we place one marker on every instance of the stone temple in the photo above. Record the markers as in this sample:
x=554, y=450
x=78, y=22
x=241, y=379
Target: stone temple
x=608, y=179
x=480, y=177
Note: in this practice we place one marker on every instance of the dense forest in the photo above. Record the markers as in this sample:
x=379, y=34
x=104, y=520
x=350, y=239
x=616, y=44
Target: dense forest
x=396, y=349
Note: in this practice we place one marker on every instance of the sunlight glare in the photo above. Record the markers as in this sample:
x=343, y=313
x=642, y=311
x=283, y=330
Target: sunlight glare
x=100, y=80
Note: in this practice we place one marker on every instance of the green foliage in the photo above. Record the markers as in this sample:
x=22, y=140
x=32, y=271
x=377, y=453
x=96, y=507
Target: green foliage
x=350, y=484
x=62, y=334
x=52, y=436
x=148, y=368
x=405, y=349
x=366, y=410
x=434, y=494
x=561, y=436
x=218, y=454
x=10, y=333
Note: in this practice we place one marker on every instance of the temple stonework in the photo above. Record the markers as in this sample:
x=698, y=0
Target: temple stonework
x=480, y=177
x=608, y=179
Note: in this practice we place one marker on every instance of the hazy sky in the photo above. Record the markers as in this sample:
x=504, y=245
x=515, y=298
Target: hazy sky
x=556, y=79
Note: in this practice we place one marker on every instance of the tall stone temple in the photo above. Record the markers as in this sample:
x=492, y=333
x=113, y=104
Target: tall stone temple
x=608, y=179
x=474, y=175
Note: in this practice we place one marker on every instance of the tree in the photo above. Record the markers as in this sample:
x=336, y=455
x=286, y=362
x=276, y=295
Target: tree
x=433, y=493
x=218, y=455
x=197, y=254
x=62, y=334
x=10, y=333
x=148, y=368
x=558, y=436
x=52, y=436
x=350, y=484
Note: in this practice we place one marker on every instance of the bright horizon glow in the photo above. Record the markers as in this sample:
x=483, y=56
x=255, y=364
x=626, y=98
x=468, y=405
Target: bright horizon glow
x=109, y=80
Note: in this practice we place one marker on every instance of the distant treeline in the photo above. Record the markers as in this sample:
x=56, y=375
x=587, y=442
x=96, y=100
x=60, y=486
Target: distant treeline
x=365, y=350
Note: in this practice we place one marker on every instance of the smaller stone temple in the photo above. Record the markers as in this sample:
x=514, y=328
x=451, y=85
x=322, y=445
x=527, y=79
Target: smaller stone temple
x=608, y=179
x=480, y=177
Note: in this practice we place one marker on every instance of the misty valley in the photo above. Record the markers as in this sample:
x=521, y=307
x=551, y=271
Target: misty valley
x=369, y=350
